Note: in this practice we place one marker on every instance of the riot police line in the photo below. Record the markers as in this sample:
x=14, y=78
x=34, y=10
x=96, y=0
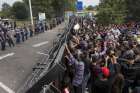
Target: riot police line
x=11, y=34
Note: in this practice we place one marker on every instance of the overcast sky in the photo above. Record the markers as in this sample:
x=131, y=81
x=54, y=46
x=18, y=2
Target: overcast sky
x=90, y=2
x=7, y=1
x=86, y=2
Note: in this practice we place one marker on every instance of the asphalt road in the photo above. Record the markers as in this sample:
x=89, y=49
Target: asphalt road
x=16, y=63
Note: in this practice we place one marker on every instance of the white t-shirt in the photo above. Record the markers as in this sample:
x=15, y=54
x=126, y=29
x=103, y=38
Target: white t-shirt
x=116, y=32
x=76, y=27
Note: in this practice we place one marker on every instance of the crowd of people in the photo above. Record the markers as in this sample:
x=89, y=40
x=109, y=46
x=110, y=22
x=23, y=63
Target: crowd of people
x=11, y=34
x=102, y=59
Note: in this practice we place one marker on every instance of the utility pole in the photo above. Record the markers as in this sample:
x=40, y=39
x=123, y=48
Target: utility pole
x=31, y=15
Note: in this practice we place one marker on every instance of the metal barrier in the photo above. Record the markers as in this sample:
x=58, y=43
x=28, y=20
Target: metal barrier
x=47, y=63
x=58, y=66
x=50, y=89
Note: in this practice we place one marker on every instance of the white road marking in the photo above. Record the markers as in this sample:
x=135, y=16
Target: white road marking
x=40, y=44
x=42, y=54
x=52, y=31
x=7, y=55
x=7, y=89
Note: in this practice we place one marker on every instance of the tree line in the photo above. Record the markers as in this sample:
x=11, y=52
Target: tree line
x=52, y=8
x=118, y=11
x=18, y=10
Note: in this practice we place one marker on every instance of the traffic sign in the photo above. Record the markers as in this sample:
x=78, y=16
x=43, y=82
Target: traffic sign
x=79, y=6
x=42, y=16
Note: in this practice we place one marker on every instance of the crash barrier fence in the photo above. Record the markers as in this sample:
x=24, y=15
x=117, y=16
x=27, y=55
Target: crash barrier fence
x=46, y=62
x=55, y=74
x=57, y=69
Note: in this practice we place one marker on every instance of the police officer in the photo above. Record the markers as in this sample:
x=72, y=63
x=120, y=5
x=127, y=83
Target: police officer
x=26, y=33
x=17, y=35
x=2, y=40
x=22, y=34
x=31, y=31
x=10, y=38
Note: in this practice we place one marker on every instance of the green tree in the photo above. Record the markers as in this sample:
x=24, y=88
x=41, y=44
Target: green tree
x=20, y=11
x=6, y=10
x=133, y=7
x=58, y=7
x=90, y=8
x=112, y=11
x=70, y=5
x=42, y=6
x=52, y=8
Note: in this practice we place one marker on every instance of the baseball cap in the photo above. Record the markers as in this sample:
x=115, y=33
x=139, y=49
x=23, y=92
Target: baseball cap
x=105, y=71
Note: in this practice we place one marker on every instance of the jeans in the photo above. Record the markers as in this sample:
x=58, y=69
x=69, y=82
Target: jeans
x=11, y=42
x=31, y=33
x=22, y=38
x=18, y=38
x=2, y=45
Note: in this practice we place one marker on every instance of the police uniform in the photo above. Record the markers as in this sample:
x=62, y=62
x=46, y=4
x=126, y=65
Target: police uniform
x=2, y=40
x=17, y=36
